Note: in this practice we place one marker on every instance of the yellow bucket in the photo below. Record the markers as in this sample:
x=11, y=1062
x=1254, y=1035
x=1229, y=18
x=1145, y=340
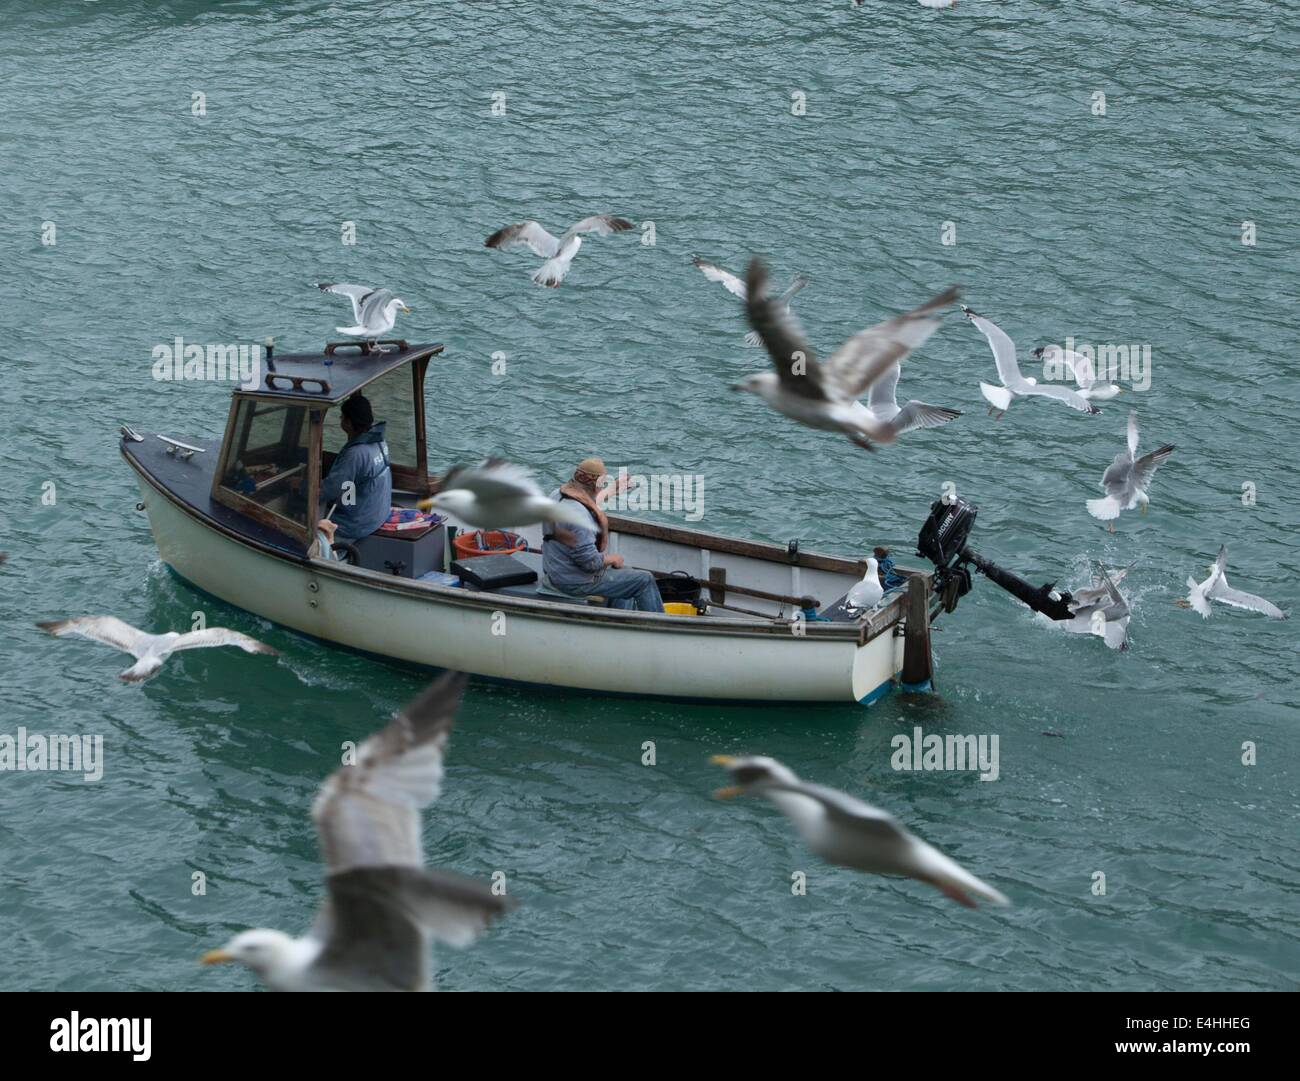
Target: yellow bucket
x=676, y=608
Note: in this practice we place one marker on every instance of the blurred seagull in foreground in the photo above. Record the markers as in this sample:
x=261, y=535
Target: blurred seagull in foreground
x=1081, y=369
x=375, y=310
x=498, y=495
x=848, y=832
x=1127, y=479
x=1013, y=383
x=736, y=287
x=149, y=650
x=825, y=396
x=557, y=251
x=1216, y=588
x=382, y=904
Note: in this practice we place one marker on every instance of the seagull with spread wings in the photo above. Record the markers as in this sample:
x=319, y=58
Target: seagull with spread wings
x=382, y=904
x=846, y=831
x=1127, y=478
x=496, y=494
x=149, y=650
x=1013, y=383
x=825, y=396
x=1082, y=370
x=375, y=310
x=736, y=287
x=1216, y=588
x=557, y=251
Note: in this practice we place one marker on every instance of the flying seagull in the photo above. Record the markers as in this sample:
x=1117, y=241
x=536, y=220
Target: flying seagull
x=882, y=404
x=845, y=831
x=498, y=495
x=736, y=287
x=825, y=396
x=1216, y=588
x=1082, y=370
x=149, y=650
x=1102, y=610
x=1126, y=480
x=1013, y=383
x=558, y=252
x=375, y=310
x=382, y=904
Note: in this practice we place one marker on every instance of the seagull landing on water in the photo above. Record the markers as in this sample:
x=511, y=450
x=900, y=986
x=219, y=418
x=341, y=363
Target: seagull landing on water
x=845, y=831
x=1102, y=610
x=149, y=650
x=382, y=904
x=1013, y=383
x=375, y=310
x=1126, y=480
x=825, y=396
x=1081, y=369
x=557, y=251
x=736, y=287
x=1216, y=588
x=498, y=495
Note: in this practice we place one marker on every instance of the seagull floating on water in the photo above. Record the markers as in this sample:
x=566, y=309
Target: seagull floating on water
x=736, y=287
x=1083, y=371
x=375, y=310
x=557, y=251
x=149, y=650
x=1013, y=383
x=498, y=495
x=1216, y=588
x=1126, y=480
x=825, y=396
x=845, y=831
x=382, y=904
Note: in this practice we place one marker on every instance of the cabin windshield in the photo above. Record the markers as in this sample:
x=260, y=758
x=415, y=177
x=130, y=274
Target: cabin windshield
x=392, y=399
x=266, y=458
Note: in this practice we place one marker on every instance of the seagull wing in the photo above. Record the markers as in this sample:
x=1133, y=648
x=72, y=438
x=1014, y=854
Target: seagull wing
x=492, y=480
x=1072, y=398
x=372, y=307
x=867, y=356
x=1219, y=590
x=884, y=391
x=845, y=808
x=793, y=358
x=221, y=636
x=799, y=282
x=715, y=273
x=355, y=293
x=1146, y=466
x=600, y=224
x=109, y=630
x=1004, y=352
x=556, y=269
x=524, y=234
x=1080, y=367
x=920, y=415
x=368, y=814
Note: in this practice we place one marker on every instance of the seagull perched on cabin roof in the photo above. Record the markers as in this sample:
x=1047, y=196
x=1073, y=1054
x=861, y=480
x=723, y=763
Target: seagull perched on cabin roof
x=736, y=287
x=149, y=650
x=375, y=310
x=825, y=396
x=557, y=251
x=498, y=495
x=848, y=832
x=382, y=904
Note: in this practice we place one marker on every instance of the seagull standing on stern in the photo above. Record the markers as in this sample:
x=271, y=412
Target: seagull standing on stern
x=382, y=905
x=825, y=396
x=557, y=251
x=845, y=831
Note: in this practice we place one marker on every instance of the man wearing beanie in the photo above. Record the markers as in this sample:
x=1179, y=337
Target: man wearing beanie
x=574, y=559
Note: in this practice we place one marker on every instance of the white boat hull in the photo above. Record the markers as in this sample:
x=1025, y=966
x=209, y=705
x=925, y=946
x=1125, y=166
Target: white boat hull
x=525, y=641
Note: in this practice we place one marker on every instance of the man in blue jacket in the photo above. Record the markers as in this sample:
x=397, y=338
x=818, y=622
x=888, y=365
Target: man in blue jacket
x=360, y=482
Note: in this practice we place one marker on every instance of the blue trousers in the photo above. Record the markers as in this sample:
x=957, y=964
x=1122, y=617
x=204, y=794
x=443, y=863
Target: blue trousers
x=631, y=590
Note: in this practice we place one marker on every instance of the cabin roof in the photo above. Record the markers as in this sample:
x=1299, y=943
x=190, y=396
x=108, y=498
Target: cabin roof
x=333, y=374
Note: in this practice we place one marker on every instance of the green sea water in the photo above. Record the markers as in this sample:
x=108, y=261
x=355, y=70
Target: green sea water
x=980, y=125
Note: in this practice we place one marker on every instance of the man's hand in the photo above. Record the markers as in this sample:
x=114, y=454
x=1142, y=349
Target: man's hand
x=614, y=561
x=327, y=527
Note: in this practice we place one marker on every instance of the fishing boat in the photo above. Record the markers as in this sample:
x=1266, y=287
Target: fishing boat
x=236, y=518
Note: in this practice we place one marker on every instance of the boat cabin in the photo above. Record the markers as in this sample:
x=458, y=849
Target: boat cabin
x=282, y=437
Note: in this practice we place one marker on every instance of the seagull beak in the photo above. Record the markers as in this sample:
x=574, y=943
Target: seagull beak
x=215, y=957
x=729, y=792
x=722, y=760
x=406, y=309
x=425, y=504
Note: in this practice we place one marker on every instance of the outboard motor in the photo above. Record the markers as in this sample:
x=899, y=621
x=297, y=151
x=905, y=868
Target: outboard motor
x=942, y=541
